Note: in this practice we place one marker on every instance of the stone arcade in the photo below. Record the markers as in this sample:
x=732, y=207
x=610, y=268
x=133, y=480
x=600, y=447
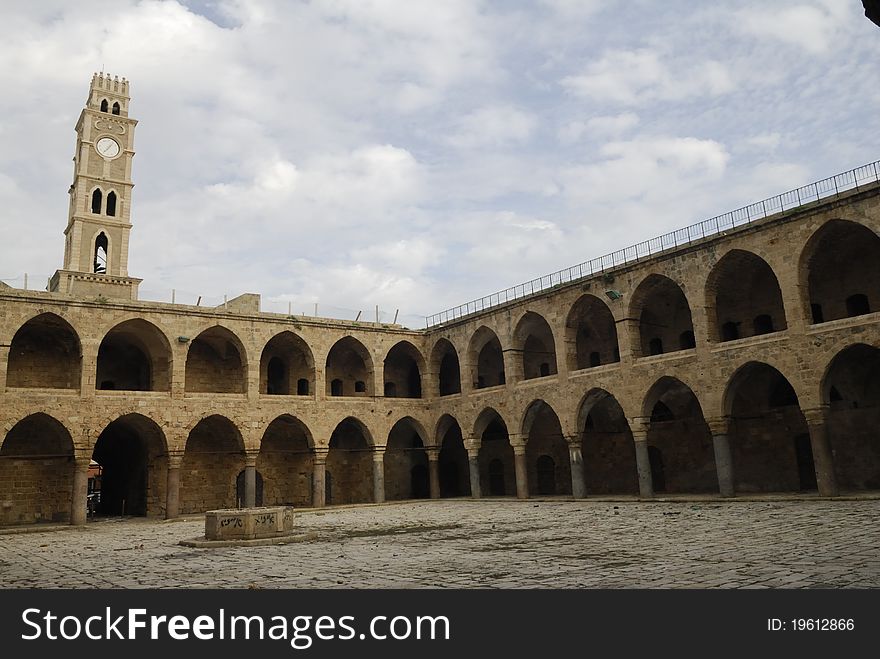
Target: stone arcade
x=742, y=361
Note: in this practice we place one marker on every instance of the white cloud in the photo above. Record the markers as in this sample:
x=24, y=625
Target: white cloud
x=814, y=27
x=493, y=126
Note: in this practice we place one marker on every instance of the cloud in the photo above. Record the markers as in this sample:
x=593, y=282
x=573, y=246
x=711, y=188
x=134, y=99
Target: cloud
x=813, y=27
x=602, y=126
x=493, y=126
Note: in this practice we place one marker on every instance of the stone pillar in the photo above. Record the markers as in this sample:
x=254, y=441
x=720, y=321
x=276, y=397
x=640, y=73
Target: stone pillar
x=79, y=500
x=172, y=486
x=379, y=474
x=319, y=478
x=578, y=487
x=474, y=471
x=723, y=462
x=434, y=472
x=643, y=461
x=250, y=480
x=822, y=457
x=519, y=466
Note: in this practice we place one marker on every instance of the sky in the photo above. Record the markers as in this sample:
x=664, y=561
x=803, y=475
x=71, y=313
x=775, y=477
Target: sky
x=417, y=154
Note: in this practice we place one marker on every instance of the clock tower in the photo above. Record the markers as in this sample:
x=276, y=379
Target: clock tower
x=99, y=217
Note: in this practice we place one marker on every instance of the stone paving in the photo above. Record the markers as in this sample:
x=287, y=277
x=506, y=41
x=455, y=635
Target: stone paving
x=484, y=544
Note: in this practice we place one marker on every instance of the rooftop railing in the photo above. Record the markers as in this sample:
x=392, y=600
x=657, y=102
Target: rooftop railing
x=825, y=188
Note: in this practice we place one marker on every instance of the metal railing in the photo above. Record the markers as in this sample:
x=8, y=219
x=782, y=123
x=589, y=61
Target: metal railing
x=714, y=226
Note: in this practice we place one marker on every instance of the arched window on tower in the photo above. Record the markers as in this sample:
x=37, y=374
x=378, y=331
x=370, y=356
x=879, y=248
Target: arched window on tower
x=96, y=201
x=104, y=106
x=111, y=203
x=101, y=253
x=116, y=108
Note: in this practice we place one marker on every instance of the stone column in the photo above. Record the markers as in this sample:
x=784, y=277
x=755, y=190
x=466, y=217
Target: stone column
x=80, y=498
x=578, y=487
x=319, y=478
x=250, y=480
x=519, y=466
x=434, y=472
x=643, y=461
x=379, y=474
x=172, y=486
x=723, y=462
x=822, y=457
x=474, y=471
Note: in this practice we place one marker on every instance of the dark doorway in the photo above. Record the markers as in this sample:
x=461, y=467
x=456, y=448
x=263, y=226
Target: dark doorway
x=449, y=480
x=419, y=485
x=806, y=467
x=328, y=488
x=546, y=475
x=239, y=489
x=658, y=476
x=496, y=479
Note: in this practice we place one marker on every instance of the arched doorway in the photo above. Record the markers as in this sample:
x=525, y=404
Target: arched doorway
x=591, y=334
x=212, y=460
x=664, y=316
x=215, y=363
x=286, y=462
x=453, y=459
x=486, y=359
x=134, y=356
x=533, y=339
x=287, y=367
x=349, y=369
x=350, y=463
x=406, y=462
x=546, y=448
x=403, y=371
x=44, y=353
x=607, y=446
x=496, y=462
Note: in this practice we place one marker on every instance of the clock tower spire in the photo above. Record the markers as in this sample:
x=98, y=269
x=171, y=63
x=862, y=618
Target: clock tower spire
x=99, y=217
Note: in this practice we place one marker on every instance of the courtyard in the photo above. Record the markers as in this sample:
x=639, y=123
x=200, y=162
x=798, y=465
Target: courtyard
x=771, y=543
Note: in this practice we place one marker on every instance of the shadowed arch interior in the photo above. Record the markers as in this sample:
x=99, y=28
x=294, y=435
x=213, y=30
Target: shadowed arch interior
x=134, y=356
x=664, y=317
x=745, y=294
x=840, y=266
x=444, y=362
x=215, y=362
x=533, y=339
x=213, y=458
x=403, y=370
x=497, y=475
x=453, y=460
x=350, y=366
x=36, y=471
x=44, y=353
x=591, y=334
x=486, y=359
x=548, y=465
x=286, y=462
x=406, y=462
x=287, y=367
x=607, y=446
x=350, y=464
x=769, y=439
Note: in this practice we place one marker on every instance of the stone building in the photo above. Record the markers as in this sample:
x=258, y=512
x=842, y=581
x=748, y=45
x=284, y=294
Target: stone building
x=736, y=357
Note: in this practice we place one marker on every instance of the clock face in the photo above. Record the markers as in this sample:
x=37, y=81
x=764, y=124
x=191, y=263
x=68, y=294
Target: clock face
x=107, y=147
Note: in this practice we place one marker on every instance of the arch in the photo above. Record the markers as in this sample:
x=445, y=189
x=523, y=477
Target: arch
x=590, y=334
x=105, y=106
x=840, y=260
x=406, y=462
x=664, y=316
x=213, y=457
x=116, y=107
x=495, y=458
x=533, y=339
x=102, y=254
x=403, y=370
x=607, y=445
x=36, y=470
x=350, y=463
x=681, y=438
x=545, y=441
x=45, y=353
x=287, y=361
x=111, y=203
x=851, y=389
x=744, y=293
x=769, y=438
x=453, y=465
x=134, y=356
x=216, y=362
x=445, y=363
x=97, y=201
x=486, y=359
x=286, y=462
x=350, y=363
x=132, y=454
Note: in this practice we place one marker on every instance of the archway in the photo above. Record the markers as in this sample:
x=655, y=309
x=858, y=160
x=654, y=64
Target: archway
x=681, y=439
x=241, y=487
x=212, y=460
x=404, y=366
x=36, y=472
x=769, y=438
x=496, y=462
x=45, y=353
x=840, y=271
x=215, y=363
x=745, y=294
x=548, y=465
x=286, y=463
x=607, y=446
x=664, y=317
x=486, y=359
x=131, y=452
x=287, y=367
x=453, y=462
x=350, y=464
x=533, y=339
x=591, y=334
x=406, y=462
x=851, y=389
x=349, y=369
x=444, y=362
x=134, y=356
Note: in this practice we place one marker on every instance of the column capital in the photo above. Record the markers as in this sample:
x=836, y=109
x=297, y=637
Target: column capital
x=519, y=448
x=473, y=453
x=82, y=461
x=816, y=415
x=319, y=454
x=572, y=440
x=250, y=458
x=379, y=453
x=433, y=453
x=718, y=425
x=175, y=459
x=639, y=426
